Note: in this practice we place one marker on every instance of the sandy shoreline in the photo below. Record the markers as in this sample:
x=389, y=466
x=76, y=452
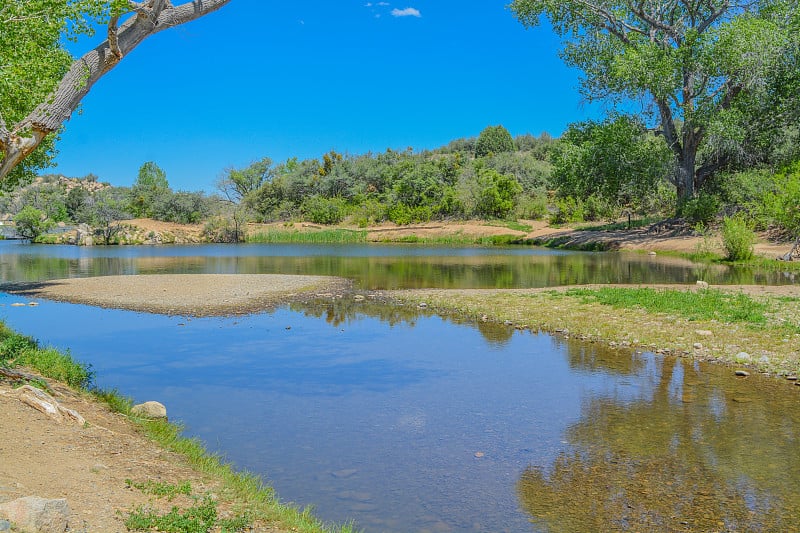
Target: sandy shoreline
x=182, y=294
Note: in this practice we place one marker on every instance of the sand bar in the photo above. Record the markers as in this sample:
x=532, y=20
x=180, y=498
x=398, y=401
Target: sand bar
x=182, y=294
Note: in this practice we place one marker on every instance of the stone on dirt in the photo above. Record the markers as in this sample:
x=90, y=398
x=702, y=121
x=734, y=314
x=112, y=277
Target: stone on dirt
x=149, y=410
x=37, y=515
x=41, y=401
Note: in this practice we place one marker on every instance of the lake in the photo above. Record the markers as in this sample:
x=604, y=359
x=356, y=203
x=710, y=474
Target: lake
x=404, y=421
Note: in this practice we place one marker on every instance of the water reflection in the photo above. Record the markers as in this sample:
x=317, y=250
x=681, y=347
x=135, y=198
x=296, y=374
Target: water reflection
x=688, y=453
x=373, y=266
x=406, y=421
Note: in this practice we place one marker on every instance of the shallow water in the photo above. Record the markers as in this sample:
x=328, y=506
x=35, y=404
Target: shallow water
x=404, y=421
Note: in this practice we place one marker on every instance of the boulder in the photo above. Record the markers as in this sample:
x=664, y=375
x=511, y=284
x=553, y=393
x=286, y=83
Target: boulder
x=702, y=284
x=37, y=515
x=149, y=410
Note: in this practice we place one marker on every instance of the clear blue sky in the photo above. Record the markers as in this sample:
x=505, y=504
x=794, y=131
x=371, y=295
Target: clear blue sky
x=283, y=79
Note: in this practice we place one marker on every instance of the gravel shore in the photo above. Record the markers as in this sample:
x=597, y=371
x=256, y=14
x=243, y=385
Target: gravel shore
x=182, y=294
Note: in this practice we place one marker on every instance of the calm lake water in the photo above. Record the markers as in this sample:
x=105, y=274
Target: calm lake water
x=403, y=421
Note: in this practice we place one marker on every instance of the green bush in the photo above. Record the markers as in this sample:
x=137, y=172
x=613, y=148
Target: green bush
x=222, y=229
x=567, y=210
x=737, y=238
x=400, y=214
x=703, y=208
x=497, y=193
x=493, y=140
x=531, y=207
x=781, y=205
x=598, y=208
x=31, y=222
x=369, y=211
x=320, y=210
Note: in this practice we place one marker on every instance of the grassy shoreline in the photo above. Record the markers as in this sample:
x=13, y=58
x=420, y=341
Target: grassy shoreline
x=758, y=331
x=251, y=499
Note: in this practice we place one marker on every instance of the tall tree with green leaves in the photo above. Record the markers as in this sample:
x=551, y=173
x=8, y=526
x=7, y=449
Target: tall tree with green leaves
x=150, y=184
x=41, y=84
x=690, y=62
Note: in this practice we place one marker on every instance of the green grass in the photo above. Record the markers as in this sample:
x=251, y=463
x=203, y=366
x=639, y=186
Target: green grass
x=19, y=350
x=161, y=489
x=692, y=305
x=510, y=224
x=293, y=236
x=460, y=239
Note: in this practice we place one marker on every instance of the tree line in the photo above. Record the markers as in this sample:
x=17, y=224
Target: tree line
x=710, y=90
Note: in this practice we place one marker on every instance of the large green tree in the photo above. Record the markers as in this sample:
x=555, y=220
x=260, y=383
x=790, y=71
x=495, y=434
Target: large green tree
x=41, y=84
x=690, y=62
x=151, y=184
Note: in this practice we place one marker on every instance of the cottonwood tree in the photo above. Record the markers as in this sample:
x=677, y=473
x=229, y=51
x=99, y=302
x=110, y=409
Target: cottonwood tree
x=41, y=85
x=690, y=62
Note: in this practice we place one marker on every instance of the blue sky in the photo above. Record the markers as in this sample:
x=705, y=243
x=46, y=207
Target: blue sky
x=283, y=79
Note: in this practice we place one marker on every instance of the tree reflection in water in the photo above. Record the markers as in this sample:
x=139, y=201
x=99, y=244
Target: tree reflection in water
x=683, y=455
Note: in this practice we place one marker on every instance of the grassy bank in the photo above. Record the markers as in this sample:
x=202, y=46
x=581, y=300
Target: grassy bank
x=758, y=331
x=251, y=500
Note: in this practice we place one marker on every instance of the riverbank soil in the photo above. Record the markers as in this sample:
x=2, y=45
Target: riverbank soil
x=655, y=238
x=87, y=465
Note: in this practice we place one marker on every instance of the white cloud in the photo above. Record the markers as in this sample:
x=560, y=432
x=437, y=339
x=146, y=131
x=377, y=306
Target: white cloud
x=384, y=4
x=407, y=12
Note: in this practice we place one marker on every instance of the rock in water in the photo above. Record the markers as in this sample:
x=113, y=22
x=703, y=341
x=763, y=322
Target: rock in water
x=37, y=515
x=149, y=410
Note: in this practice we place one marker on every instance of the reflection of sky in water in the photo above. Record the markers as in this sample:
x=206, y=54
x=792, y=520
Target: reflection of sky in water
x=306, y=403
x=375, y=422
x=372, y=266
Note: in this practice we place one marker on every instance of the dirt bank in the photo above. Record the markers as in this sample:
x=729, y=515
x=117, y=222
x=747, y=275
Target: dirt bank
x=87, y=465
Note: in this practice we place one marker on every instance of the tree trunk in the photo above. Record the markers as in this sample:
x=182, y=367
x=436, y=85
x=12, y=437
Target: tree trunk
x=23, y=138
x=686, y=185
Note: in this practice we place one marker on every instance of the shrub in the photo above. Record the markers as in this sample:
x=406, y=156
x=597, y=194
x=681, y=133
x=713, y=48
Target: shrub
x=30, y=222
x=497, y=193
x=493, y=140
x=222, y=229
x=781, y=205
x=532, y=207
x=567, y=210
x=737, y=238
x=703, y=208
x=368, y=212
x=400, y=214
x=320, y=210
x=598, y=208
